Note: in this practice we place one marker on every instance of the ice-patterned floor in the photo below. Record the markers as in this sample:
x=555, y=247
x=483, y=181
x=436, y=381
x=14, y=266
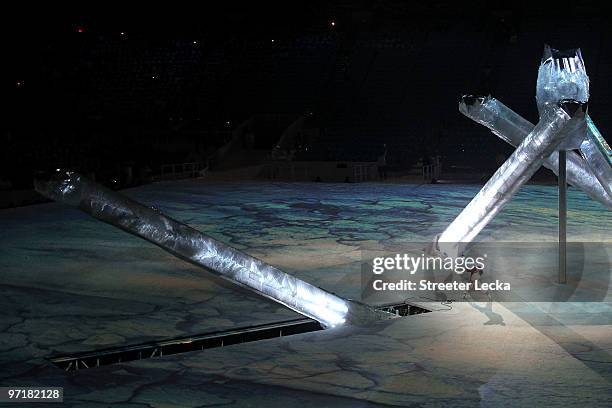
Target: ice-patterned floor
x=70, y=283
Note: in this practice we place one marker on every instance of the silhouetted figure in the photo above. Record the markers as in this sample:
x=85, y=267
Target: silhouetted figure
x=475, y=274
x=381, y=162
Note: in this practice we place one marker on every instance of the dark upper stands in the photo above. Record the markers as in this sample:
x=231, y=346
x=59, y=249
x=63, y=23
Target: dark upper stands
x=395, y=84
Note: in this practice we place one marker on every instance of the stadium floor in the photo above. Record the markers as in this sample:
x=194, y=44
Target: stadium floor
x=72, y=284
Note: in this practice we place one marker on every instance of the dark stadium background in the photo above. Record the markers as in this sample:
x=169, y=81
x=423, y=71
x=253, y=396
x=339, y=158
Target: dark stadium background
x=100, y=87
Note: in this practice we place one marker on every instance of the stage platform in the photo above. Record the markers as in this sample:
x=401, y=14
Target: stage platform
x=72, y=284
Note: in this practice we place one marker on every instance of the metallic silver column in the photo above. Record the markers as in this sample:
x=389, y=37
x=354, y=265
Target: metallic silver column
x=512, y=128
x=193, y=246
x=551, y=130
x=598, y=155
x=562, y=218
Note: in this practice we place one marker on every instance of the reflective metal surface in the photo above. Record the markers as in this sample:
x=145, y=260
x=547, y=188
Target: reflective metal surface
x=556, y=123
x=511, y=127
x=598, y=156
x=562, y=93
x=195, y=247
x=562, y=76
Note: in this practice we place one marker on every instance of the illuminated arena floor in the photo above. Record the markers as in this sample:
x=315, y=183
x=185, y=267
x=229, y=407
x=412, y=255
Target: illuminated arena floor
x=72, y=284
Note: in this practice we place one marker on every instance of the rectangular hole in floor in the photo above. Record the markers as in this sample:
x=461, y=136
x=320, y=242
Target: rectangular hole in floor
x=116, y=355
x=403, y=309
